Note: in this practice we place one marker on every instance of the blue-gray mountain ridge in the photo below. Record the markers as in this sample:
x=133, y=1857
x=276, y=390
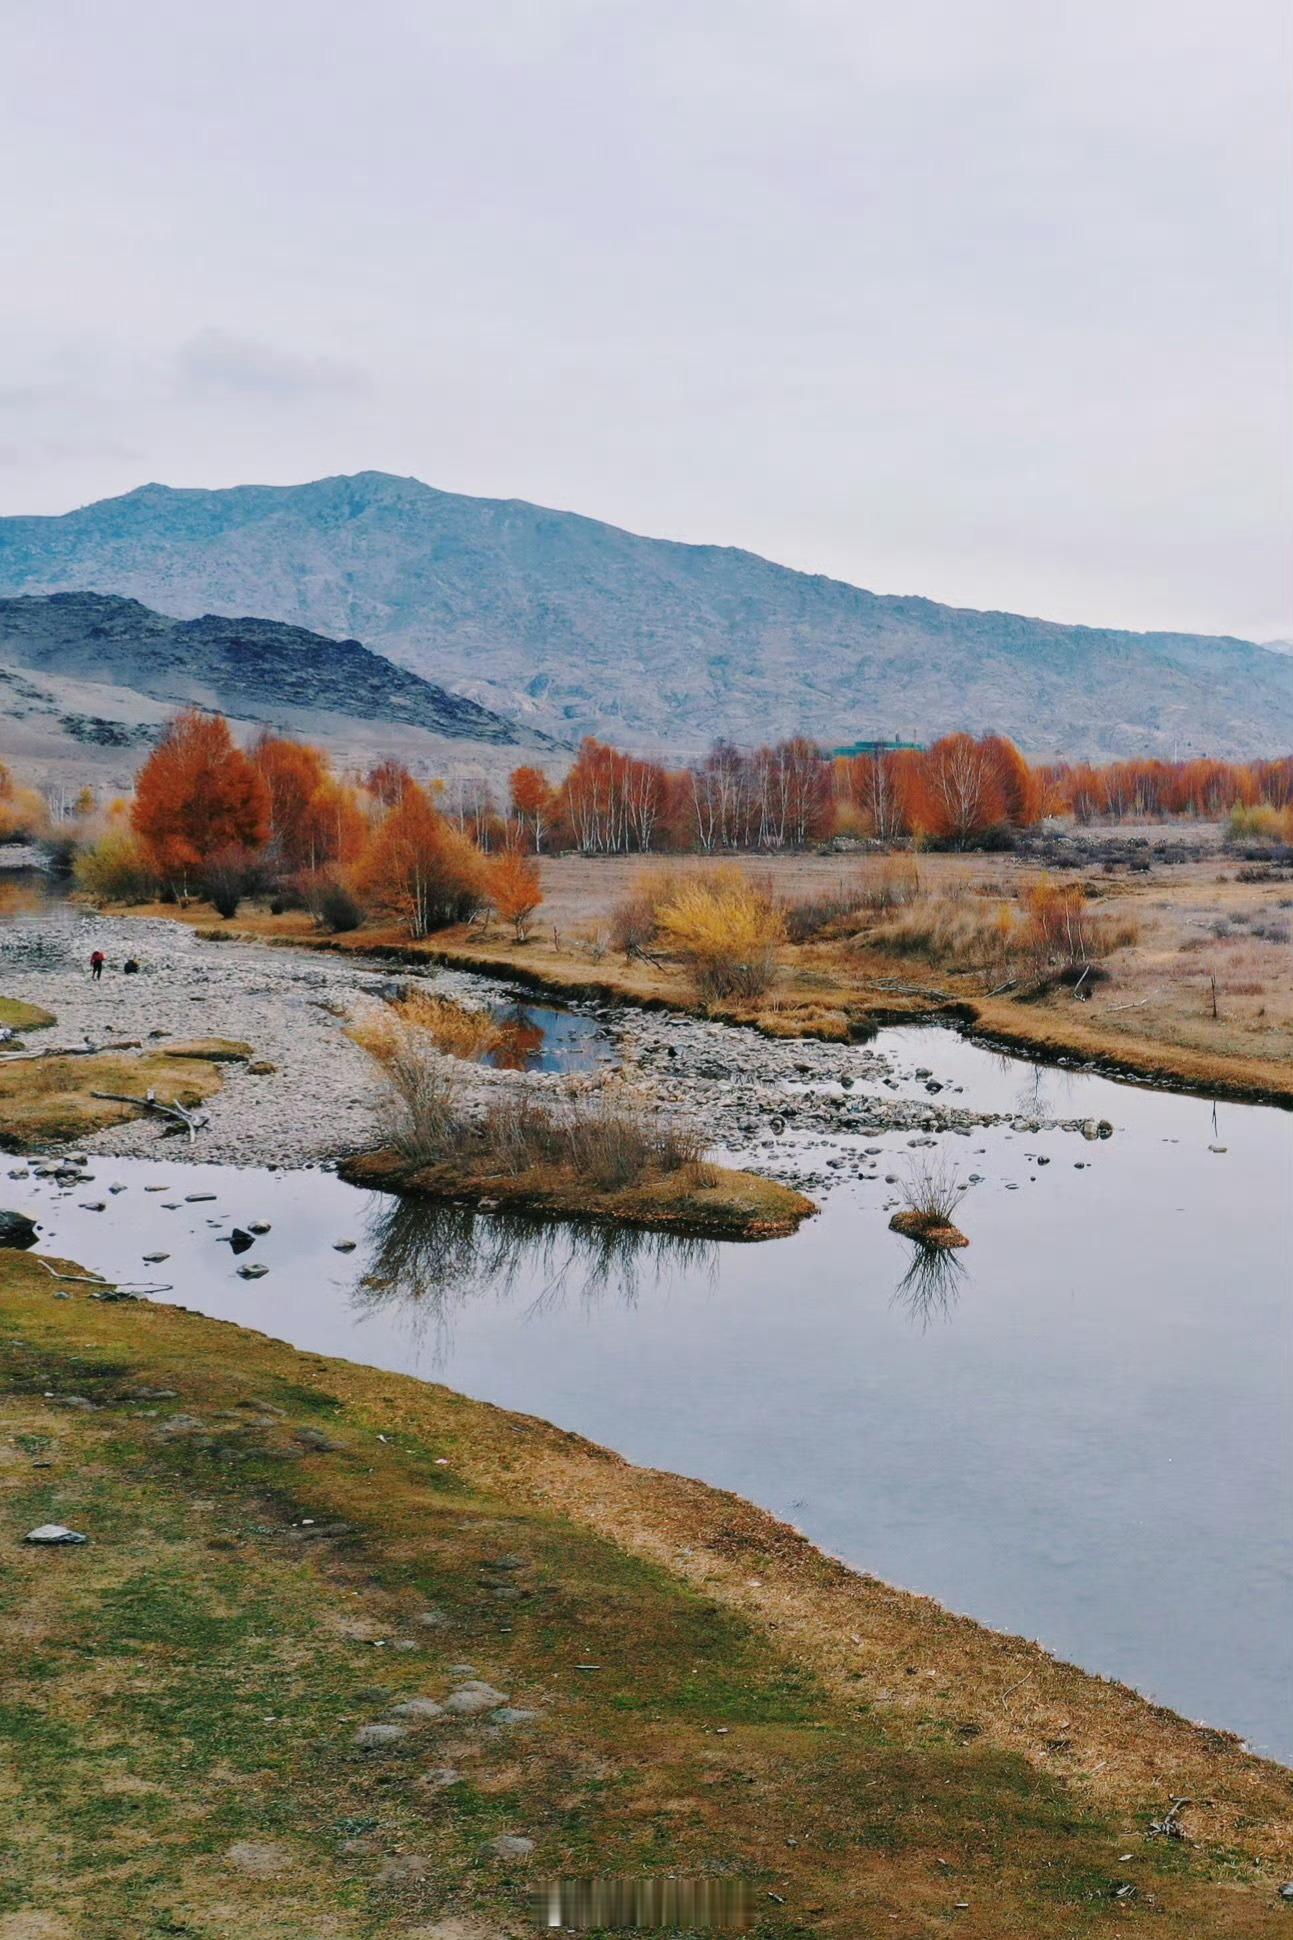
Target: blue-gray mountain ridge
x=579, y=627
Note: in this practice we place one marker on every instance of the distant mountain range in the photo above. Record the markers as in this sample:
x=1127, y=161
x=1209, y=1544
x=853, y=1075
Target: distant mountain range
x=577, y=627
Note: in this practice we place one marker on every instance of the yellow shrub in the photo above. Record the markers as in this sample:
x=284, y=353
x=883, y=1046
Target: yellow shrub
x=726, y=928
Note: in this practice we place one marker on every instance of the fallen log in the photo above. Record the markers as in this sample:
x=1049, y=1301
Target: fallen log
x=190, y=1121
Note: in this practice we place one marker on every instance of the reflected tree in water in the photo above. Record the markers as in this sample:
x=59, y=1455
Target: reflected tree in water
x=521, y=1042
x=432, y=1258
x=932, y=1285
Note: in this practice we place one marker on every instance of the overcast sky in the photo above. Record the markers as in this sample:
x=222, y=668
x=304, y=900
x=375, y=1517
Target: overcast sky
x=984, y=299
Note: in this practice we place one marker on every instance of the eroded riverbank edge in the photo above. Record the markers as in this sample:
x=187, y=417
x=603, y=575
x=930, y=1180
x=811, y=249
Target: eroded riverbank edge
x=917, y=1687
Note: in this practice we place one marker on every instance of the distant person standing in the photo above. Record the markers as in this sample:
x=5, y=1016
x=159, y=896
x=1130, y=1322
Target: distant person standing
x=97, y=961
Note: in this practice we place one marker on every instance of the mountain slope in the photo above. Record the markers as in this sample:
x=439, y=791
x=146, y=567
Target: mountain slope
x=581, y=627
x=255, y=669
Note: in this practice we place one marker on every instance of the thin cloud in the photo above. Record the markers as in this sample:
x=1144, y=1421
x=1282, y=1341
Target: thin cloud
x=216, y=362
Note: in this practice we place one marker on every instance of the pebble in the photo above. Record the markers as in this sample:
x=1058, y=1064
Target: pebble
x=54, y=1535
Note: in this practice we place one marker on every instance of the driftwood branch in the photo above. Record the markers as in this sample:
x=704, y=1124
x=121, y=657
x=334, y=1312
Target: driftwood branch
x=189, y=1121
x=69, y=1051
x=128, y=1289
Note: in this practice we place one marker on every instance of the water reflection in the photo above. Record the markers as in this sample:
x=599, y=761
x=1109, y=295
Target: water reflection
x=521, y=1043
x=932, y=1285
x=433, y=1259
x=544, y=1037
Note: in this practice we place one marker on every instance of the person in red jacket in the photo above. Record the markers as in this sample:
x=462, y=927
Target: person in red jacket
x=96, y=965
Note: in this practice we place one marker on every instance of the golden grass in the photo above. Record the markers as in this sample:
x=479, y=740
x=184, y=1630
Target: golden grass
x=45, y=1100
x=189, y=1684
x=457, y=1029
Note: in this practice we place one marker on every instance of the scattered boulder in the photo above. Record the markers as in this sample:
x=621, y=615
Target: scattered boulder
x=418, y=1707
x=54, y=1535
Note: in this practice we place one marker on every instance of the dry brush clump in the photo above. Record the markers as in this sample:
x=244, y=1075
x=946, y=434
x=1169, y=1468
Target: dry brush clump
x=459, y=1030
x=1048, y=935
x=723, y=924
x=589, y=1139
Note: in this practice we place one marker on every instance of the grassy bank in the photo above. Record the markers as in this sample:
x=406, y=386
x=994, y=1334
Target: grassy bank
x=17, y=1016
x=707, y=1201
x=53, y=1099
x=285, y=1549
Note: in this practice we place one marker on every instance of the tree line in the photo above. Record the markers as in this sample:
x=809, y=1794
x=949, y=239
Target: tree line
x=211, y=819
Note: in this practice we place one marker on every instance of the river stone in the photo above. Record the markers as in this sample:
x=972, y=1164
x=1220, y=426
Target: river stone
x=17, y=1230
x=373, y=1737
x=418, y=1707
x=54, y=1535
x=511, y=1845
x=471, y=1699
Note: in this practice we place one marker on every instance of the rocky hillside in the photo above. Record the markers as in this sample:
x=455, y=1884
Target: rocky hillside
x=580, y=627
x=255, y=669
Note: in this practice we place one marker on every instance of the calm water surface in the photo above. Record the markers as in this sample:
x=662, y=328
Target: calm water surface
x=1080, y=1431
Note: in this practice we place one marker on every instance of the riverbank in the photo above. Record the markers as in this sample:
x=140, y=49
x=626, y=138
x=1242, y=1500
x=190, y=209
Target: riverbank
x=654, y=1677
x=1200, y=1000
x=311, y=1096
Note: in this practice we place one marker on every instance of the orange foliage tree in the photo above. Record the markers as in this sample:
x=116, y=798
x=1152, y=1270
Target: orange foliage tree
x=512, y=884
x=960, y=795
x=198, y=796
x=419, y=869
x=533, y=803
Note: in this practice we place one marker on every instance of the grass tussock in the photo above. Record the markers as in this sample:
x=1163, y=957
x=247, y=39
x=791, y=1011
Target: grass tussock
x=931, y=1195
x=589, y=1156
x=459, y=1030
x=15, y=1015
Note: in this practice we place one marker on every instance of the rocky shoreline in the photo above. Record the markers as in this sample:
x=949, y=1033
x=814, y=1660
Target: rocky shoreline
x=796, y=1109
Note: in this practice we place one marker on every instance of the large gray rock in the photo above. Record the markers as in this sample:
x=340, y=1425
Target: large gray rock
x=17, y=1230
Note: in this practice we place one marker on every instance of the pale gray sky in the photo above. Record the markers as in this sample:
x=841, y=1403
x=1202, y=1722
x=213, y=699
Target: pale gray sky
x=983, y=299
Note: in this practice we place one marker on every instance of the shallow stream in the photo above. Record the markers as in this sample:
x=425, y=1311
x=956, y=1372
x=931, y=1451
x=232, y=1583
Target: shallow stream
x=1078, y=1429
